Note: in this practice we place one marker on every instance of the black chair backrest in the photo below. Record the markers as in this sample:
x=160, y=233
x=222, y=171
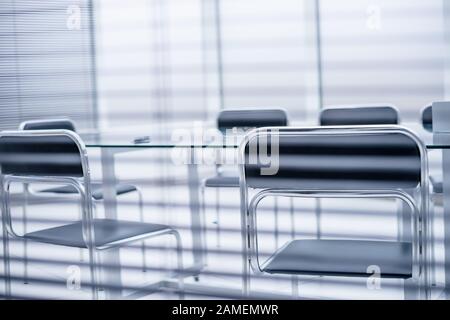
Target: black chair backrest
x=427, y=118
x=40, y=155
x=355, y=116
x=338, y=161
x=62, y=124
x=251, y=118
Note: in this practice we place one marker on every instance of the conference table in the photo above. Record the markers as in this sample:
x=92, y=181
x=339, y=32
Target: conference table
x=191, y=139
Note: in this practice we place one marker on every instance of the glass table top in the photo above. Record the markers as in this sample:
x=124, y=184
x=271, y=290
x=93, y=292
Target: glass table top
x=200, y=136
x=149, y=140
x=188, y=136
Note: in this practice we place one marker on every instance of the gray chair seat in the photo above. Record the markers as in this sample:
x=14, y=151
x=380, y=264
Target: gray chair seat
x=222, y=182
x=106, y=232
x=342, y=258
x=97, y=190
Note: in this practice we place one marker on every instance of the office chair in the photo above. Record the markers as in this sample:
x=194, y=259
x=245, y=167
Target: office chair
x=375, y=115
x=60, y=157
x=97, y=190
x=227, y=121
x=339, y=162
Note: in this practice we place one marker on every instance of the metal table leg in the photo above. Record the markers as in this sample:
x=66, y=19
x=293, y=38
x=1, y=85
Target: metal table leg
x=194, y=206
x=112, y=275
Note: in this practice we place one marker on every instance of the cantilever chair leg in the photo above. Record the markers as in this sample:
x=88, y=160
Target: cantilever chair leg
x=203, y=226
x=81, y=217
x=277, y=234
x=180, y=265
x=294, y=277
x=6, y=263
x=93, y=263
x=218, y=217
x=244, y=246
x=25, y=242
x=99, y=260
x=246, y=273
x=142, y=219
x=432, y=240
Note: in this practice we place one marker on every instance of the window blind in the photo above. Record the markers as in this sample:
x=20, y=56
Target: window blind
x=268, y=49
x=187, y=59
x=46, y=62
x=150, y=61
x=383, y=52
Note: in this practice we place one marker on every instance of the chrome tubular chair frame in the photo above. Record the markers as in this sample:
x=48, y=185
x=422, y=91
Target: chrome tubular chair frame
x=435, y=186
x=65, y=124
x=87, y=218
x=252, y=217
x=229, y=119
x=44, y=195
x=83, y=188
x=420, y=213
